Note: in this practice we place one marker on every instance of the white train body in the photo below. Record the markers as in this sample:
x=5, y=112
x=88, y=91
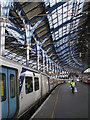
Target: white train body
x=30, y=85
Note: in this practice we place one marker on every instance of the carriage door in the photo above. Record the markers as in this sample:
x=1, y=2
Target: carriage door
x=49, y=84
x=12, y=91
x=8, y=92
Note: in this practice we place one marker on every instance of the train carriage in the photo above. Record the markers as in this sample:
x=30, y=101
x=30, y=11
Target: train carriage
x=21, y=87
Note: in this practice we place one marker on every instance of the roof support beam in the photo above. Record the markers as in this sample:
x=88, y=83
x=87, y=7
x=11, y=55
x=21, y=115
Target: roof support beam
x=56, y=29
x=29, y=33
x=2, y=36
x=65, y=23
x=38, y=56
x=4, y=8
x=54, y=7
x=15, y=32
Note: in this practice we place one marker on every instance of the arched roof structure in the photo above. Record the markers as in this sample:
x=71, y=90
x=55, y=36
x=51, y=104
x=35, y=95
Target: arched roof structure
x=61, y=28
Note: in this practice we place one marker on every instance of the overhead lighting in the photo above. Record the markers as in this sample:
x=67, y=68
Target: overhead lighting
x=86, y=12
x=86, y=45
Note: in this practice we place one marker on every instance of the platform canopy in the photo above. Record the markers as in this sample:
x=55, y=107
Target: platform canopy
x=87, y=70
x=61, y=27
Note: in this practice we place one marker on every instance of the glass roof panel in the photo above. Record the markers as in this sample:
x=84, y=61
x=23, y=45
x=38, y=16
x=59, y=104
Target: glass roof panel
x=61, y=16
x=55, y=21
x=52, y=2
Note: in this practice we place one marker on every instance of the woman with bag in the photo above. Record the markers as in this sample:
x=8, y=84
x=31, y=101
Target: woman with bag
x=73, y=86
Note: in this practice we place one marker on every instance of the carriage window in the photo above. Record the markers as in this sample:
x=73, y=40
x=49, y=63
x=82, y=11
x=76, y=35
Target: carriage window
x=12, y=86
x=36, y=81
x=28, y=85
x=3, y=86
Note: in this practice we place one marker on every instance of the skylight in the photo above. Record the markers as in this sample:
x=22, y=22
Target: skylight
x=64, y=15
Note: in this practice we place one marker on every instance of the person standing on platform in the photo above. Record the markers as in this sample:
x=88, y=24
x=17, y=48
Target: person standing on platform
x=73, y=86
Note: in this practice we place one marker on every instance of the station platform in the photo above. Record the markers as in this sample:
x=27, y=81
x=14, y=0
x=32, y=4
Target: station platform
x=63, y=104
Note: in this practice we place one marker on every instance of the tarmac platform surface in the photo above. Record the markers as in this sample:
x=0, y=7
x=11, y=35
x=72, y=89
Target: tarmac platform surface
x=63, y=104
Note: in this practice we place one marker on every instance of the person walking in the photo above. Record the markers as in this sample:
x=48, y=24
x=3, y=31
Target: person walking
x=73, y=86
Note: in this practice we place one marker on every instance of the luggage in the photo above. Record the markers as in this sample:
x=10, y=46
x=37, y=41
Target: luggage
x=75, y=90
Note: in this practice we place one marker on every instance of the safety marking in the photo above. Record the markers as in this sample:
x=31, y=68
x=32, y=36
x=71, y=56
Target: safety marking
x=40, y=108
x=55, y=103
x=42, y=105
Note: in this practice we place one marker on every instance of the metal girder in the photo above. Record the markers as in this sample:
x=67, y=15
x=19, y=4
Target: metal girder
x=46, y=34
x=4, y=12
x=6, y=35
x=70, y=63
x=66, y=35
x=38, y=29
x=41, y=32
x=53, y=55
x=54, y=7
x=33, y=9
x=77, y=64
x=48, y=46
x=14, y=56
x=64, y=53
x=25, y=4
x=30, y=30
x=65, y=57
x=51, y=51
x=53, y=58
x=54, y=30
x=14, y=28
x=63, y=18
x=45, y=40
x=5, y=7
x=35, y=26
x=64, y=43
x=65, y=23
x=20, y=7
x=61, y=50
x=15, y=32
x=12, y=20
x=58, y=46
x=48, y=12
x=48, y=49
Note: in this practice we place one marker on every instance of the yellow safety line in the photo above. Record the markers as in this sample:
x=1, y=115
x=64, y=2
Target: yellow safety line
x=55, y=104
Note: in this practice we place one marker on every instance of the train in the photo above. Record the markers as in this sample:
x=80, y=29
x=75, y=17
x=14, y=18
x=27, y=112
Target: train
x=85, y=79
x=21, y=87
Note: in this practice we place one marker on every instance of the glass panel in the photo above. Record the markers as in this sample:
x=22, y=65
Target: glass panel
x=56, y=32
x=3, y=86
x=64, y=9
x=55, y=25
x=46, y=2
x=28, y=85
x=60, y=21
x=52, y=2
x=36, y=81
x=55, y=21
x=65, y=4
x=59, y=1
x=56, y=35
x=12, y=86
x=59, y=13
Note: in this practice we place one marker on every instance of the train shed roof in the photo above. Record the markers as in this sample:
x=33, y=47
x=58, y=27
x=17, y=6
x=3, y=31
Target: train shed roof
x=61, y=27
